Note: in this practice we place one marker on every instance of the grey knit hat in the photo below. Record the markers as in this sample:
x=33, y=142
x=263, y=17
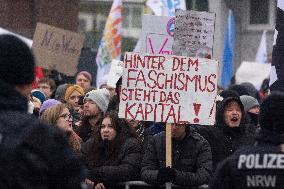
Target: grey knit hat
x=100, y=96
x=248, y=102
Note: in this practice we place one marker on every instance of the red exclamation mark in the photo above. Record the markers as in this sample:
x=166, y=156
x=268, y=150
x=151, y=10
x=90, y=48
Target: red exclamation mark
x=196, y=111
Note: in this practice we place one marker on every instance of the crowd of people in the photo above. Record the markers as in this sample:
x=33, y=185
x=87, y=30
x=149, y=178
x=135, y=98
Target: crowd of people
x=70, y=136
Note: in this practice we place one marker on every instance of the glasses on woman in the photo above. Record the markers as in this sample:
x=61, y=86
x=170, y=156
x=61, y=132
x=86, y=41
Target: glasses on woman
x=66, y=116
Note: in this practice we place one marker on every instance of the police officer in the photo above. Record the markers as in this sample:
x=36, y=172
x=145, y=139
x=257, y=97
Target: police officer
x=261, y=165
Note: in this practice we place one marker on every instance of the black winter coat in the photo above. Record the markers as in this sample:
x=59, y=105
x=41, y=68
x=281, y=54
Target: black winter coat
x=126, y=166
x=260, y=166
x=32, y=153
x=191, y=158
x=223, y=140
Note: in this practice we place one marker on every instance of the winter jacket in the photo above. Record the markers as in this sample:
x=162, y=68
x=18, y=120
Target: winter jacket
x=191, y=158
x=144, y=133
x=32, y=153
x=224, y=140
x=126, y=166
x=259, y=166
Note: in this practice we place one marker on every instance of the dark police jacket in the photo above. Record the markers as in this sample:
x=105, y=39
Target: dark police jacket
x=259, y=166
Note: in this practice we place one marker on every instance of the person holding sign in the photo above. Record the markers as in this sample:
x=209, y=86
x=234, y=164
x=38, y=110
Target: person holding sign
x=191, y=155
x=114, y=152
x=261, y=165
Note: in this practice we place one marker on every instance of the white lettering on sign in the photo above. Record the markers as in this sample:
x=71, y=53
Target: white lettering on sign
x=257, y=161
x=261, y=180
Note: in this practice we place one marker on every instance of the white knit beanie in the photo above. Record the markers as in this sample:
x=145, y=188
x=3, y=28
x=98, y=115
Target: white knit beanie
x=248, y=102
x=100, y=97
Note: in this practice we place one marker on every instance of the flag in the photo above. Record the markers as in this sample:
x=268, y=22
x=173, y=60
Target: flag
x=38, y=75
x=165, y=7
x=277, y=69
x=110, y=45
x=261, y=55
x=228, y=55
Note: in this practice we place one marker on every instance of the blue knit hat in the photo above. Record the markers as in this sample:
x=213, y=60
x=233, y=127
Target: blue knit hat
x=38, y=94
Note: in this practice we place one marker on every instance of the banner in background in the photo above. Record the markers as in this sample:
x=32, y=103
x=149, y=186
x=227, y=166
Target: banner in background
x=165, y=7
x=110, y=46
x=157, y=34
x=261, y=55
x=228, y=54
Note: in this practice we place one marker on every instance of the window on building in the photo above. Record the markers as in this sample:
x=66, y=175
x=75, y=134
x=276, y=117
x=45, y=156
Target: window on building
x=198, y=5
x=132, y=19
x=132, y=15
x=82, y=24
x=260, y=14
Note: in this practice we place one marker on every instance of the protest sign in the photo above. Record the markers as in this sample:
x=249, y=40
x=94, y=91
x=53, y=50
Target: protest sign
x=170, y=89
x=57, y=48
x=194, y=33
x=115, y=72
x=157, y=34
x=252, y=72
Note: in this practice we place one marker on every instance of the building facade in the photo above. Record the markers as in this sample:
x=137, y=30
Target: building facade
x=21, y=16
x=252, y=17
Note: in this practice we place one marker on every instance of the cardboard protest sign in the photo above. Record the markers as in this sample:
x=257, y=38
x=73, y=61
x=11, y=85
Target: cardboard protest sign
x=157, y=34
x=115, y=72
x=194, y=33
x=172, y=89
x=54, y=47
x=252, y=72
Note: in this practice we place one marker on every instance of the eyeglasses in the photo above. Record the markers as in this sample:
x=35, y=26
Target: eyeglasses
x=66, y=116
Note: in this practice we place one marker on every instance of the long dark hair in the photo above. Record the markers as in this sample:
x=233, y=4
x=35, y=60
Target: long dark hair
x=101, y=152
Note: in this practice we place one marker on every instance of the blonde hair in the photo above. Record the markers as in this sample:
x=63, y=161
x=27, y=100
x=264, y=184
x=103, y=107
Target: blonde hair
x=70, y=89
x=52, y=114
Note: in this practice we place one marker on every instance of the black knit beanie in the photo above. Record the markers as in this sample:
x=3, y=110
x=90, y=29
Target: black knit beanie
x=16, y=61
x=272, y=112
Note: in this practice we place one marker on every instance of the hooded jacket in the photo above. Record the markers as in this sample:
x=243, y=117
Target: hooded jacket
x=224, y=140
x=32, y=153
x=259, y=166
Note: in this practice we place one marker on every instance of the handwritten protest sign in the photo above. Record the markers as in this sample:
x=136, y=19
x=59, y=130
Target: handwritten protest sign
x=194, y=33
x=157, y=34
x=170, y=89
x=54, y=47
